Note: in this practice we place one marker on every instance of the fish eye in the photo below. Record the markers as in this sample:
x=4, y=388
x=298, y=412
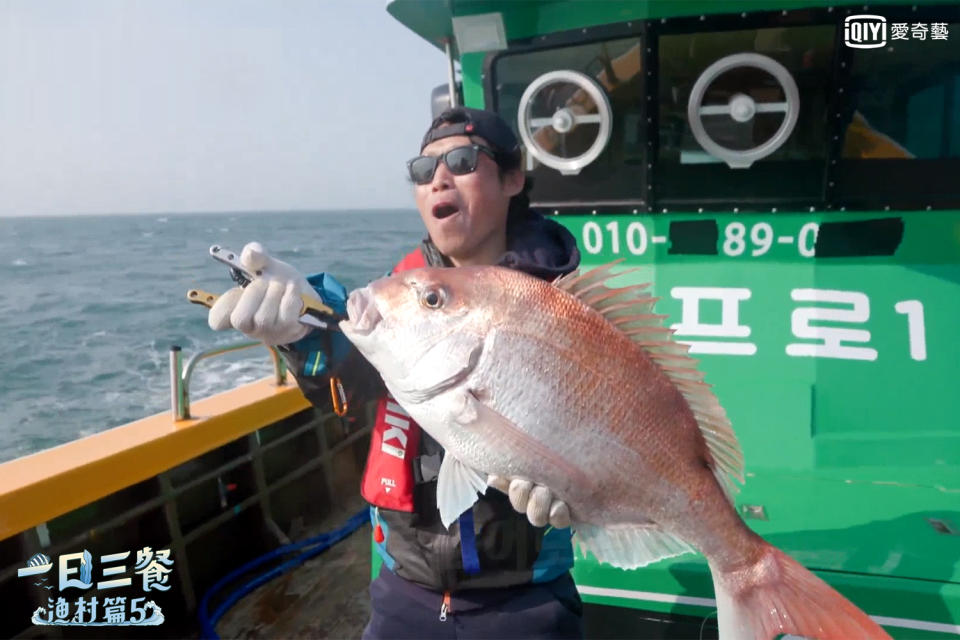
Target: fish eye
x=432, y=299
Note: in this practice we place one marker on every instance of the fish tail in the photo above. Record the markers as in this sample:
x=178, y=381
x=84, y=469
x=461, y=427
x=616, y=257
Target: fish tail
x=777, y=595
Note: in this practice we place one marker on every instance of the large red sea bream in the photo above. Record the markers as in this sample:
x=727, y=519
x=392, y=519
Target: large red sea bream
x=579, y=387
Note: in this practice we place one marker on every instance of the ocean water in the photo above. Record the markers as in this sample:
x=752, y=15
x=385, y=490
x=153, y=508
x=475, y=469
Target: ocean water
x=90, y=305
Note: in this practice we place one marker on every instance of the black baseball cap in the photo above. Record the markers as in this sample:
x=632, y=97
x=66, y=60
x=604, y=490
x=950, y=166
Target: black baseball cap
x=464, y=121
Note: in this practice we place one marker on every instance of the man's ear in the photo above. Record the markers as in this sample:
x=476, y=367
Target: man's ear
x=513, y=182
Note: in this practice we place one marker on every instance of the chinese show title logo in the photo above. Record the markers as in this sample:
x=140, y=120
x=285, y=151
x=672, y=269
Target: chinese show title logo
x=75, y=571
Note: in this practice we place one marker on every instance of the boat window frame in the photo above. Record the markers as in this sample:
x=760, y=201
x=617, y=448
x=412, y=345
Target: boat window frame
x=842, y=181
x=578, y=37
x=649, y=32
x=745, y=21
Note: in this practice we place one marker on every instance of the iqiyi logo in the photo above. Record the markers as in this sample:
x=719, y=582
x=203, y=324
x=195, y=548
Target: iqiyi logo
x=865, y=31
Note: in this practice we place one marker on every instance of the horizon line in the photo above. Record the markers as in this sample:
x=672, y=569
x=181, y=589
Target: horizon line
x=204, y=212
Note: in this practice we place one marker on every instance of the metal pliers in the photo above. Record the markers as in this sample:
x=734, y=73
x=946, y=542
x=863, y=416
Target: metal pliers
x=313, y=313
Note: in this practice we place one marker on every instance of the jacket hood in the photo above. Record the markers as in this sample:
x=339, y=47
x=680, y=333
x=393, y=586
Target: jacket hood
x=541, y=247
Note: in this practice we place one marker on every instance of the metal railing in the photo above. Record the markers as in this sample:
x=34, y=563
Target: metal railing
x=38, y=537
x=180, y=375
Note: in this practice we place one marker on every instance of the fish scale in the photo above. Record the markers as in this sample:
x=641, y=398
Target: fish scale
x=594, y=388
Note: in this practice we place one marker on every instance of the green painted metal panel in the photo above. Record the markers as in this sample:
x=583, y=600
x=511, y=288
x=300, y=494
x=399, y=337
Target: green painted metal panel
x=375, y=561
x=871, y=539
x=852, y=457
x=472, y=66
x=875, y=388
x=928, y=609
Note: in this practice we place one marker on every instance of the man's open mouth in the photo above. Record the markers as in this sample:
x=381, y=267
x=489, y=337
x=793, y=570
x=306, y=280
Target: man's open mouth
x=362, y=311
x=442, y=211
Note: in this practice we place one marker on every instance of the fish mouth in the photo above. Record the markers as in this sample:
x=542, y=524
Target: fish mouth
x=362, y=312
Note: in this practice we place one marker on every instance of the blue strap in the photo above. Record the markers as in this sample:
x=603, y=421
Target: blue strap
x=468, y=544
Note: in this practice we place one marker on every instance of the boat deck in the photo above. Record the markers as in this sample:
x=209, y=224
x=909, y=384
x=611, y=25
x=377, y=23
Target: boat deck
x=325, y=597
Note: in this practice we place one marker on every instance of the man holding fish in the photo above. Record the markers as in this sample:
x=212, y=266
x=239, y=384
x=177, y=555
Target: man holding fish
x=495, y=572
x=539, y=389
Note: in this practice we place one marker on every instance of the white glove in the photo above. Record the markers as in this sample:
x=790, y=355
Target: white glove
x=267, y=309
x=535, y=500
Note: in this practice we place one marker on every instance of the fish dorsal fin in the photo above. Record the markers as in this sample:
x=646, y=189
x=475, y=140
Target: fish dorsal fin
x=631, y=312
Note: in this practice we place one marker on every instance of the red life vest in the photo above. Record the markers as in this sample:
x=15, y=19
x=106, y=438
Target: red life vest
x=388, y=479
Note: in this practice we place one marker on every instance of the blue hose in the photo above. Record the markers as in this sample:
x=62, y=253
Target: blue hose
x=318, y=544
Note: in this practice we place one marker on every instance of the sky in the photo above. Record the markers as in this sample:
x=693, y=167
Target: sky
x=148, y=106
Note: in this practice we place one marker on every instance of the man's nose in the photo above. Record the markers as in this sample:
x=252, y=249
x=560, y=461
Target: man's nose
x=442, y=178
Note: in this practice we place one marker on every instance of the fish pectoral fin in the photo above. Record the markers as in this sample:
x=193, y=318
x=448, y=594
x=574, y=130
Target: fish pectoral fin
x=457, y=488
x=629, y=546
x=468, y=411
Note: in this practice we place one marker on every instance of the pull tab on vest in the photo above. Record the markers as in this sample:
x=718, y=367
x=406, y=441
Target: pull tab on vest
x=388, y=479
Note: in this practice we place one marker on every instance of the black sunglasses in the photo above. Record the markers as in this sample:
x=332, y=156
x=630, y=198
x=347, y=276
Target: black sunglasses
x=460, y=161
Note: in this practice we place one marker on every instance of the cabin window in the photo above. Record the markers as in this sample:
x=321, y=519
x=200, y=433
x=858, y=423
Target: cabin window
x=616, y=175
x=901, y=133
x=743, y=93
